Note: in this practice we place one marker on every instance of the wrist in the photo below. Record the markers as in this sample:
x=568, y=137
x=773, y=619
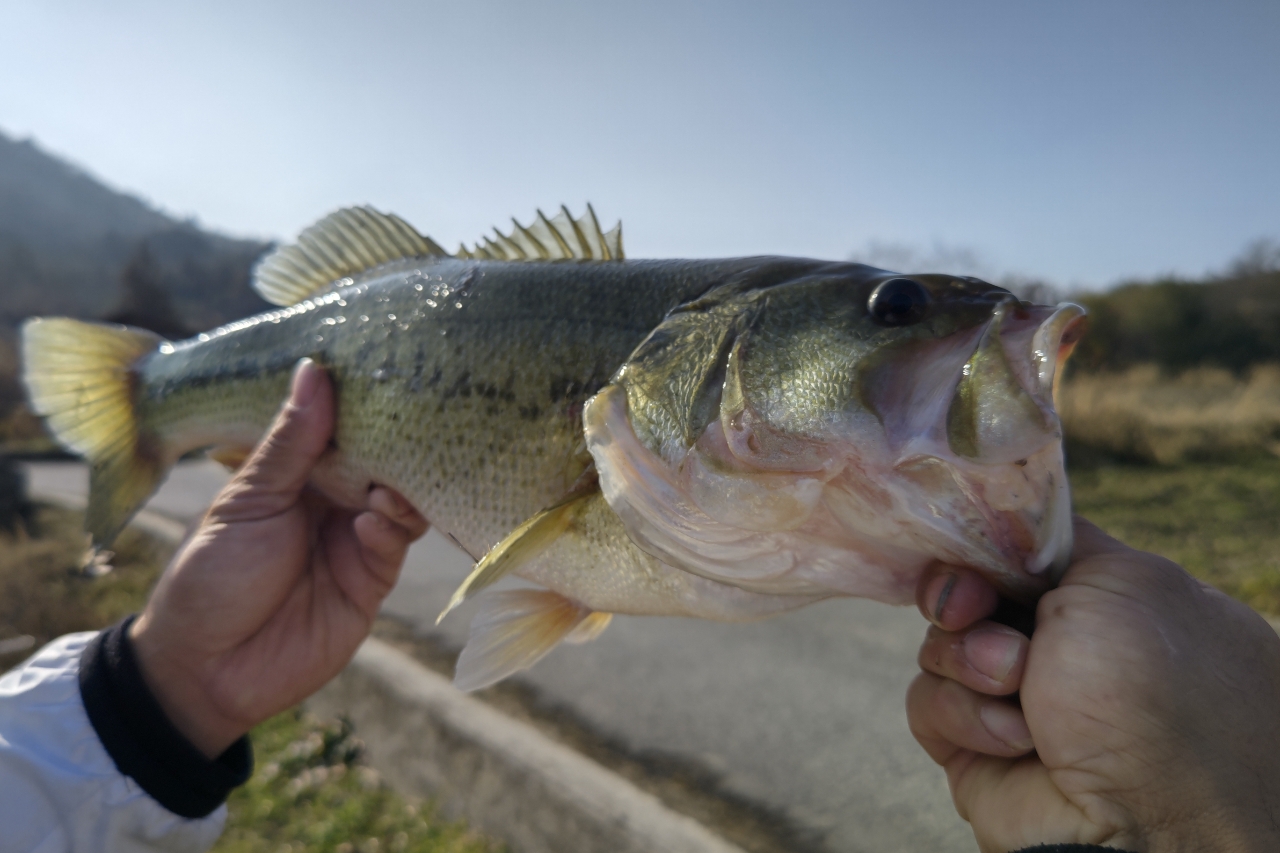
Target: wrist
x=178, y=688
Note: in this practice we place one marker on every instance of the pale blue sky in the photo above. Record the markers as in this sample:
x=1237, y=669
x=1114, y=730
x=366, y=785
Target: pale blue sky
x=1083, y=141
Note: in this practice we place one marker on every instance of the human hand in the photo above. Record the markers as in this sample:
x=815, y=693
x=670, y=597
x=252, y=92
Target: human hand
x=1151, y=701
x=275, y=590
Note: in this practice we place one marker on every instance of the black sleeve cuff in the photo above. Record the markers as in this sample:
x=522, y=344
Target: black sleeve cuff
x=140, y=739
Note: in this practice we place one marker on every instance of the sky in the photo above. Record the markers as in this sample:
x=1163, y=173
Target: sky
x=1085, y=142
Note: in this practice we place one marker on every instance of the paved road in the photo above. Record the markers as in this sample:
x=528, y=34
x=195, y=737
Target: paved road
x=802, y=713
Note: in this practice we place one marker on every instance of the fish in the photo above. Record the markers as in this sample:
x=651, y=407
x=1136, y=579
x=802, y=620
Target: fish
x=725, y=439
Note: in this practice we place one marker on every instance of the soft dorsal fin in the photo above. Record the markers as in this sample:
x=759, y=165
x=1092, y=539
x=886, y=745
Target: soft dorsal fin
x=558, y=239
x=345, y=242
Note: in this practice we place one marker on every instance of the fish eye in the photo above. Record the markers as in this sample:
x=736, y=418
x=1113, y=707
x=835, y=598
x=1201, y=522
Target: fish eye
x=898, y=302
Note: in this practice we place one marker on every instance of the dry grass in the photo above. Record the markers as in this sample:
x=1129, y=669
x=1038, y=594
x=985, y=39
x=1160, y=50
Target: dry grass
x=1145, y=416
x=20, y=431
x=43, y=592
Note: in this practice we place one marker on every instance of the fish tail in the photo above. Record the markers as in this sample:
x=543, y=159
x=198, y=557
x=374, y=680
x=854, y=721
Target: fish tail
x=82, y=378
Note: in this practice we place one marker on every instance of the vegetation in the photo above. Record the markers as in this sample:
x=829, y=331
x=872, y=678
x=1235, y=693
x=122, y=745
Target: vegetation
x=45, y=591
x=311, y=793
x=1217, y=520
x=1230, y=321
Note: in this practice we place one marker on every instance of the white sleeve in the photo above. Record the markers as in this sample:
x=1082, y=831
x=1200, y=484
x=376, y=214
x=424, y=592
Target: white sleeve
x=59, y=788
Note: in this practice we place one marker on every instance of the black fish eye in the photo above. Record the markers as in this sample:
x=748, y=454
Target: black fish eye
x=898, y=302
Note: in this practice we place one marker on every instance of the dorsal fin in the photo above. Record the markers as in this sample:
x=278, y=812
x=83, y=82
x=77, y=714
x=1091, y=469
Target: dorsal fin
x=345, y=242
x=557, y=239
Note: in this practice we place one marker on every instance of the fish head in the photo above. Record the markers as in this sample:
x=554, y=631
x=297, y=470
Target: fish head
x=838, y=431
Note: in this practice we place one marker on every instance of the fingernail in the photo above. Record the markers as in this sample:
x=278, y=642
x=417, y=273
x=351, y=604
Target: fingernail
x=306, y=379
x=1006, y=724
x=939, y=591
x=993, y=651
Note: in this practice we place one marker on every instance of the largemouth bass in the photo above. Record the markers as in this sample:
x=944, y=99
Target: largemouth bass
x=724, y=439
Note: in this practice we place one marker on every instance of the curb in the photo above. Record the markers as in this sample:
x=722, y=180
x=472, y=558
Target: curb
x=504, y=776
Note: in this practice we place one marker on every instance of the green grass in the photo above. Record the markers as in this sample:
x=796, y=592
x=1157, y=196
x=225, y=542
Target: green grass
x=1219, y=521
x=310, y=793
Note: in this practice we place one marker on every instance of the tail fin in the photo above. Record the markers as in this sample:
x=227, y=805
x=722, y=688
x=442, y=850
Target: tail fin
x=81, y=378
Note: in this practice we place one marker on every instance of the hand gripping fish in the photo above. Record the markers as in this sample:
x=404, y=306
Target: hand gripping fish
x=725, y=439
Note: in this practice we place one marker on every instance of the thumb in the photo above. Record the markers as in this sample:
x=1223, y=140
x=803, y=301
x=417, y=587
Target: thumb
x=274, y=476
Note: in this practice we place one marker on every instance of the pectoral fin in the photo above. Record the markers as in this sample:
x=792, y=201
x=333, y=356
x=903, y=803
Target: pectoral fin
x=523, y=544
x=513, y=629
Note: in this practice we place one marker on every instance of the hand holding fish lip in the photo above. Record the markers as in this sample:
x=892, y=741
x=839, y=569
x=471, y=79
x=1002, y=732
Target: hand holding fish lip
x=1148, y=698
x=275, y=589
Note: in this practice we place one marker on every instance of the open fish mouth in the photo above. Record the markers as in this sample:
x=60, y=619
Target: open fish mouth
x=1005, y=438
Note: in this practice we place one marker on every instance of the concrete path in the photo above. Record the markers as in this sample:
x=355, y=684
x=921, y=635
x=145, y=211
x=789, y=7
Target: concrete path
x=802, y=714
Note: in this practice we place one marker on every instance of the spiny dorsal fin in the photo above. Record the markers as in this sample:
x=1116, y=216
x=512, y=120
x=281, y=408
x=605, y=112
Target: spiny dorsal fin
x=519, y=547
x=559, y=239
x=344, y=243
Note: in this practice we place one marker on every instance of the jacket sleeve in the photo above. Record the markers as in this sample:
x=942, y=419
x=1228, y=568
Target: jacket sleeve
x=88, y=761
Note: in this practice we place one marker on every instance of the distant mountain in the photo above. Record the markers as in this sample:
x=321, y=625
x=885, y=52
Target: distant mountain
x=70, y=245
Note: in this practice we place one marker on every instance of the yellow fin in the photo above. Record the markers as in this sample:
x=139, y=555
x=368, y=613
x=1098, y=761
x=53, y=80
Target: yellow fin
x=229, y=457
x=590, y=628
x=80, y=377
x=346, y=242
x=560, y=238
x=512, y=631
x=519, y=547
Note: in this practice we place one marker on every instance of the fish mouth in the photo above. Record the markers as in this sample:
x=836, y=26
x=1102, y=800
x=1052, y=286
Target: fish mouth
x=976, y=443
x=1006, y=437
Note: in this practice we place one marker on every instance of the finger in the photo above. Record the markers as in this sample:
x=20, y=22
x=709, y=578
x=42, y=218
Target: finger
x=276, y=473
x=954, y=598
x=395, y=507
x=987, y=658
x=945, y=717
x=384, y=545
x=1092, y=541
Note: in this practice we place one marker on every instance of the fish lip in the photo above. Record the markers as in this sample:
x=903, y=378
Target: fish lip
x=1053, y=342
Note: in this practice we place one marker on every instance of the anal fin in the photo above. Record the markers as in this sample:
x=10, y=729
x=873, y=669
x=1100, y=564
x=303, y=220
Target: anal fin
x=588, y=629
x=513, y=629
x=229, y=456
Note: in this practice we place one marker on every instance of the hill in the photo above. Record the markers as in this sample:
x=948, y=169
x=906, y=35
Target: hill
x=66, y=241
x=72, y=246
